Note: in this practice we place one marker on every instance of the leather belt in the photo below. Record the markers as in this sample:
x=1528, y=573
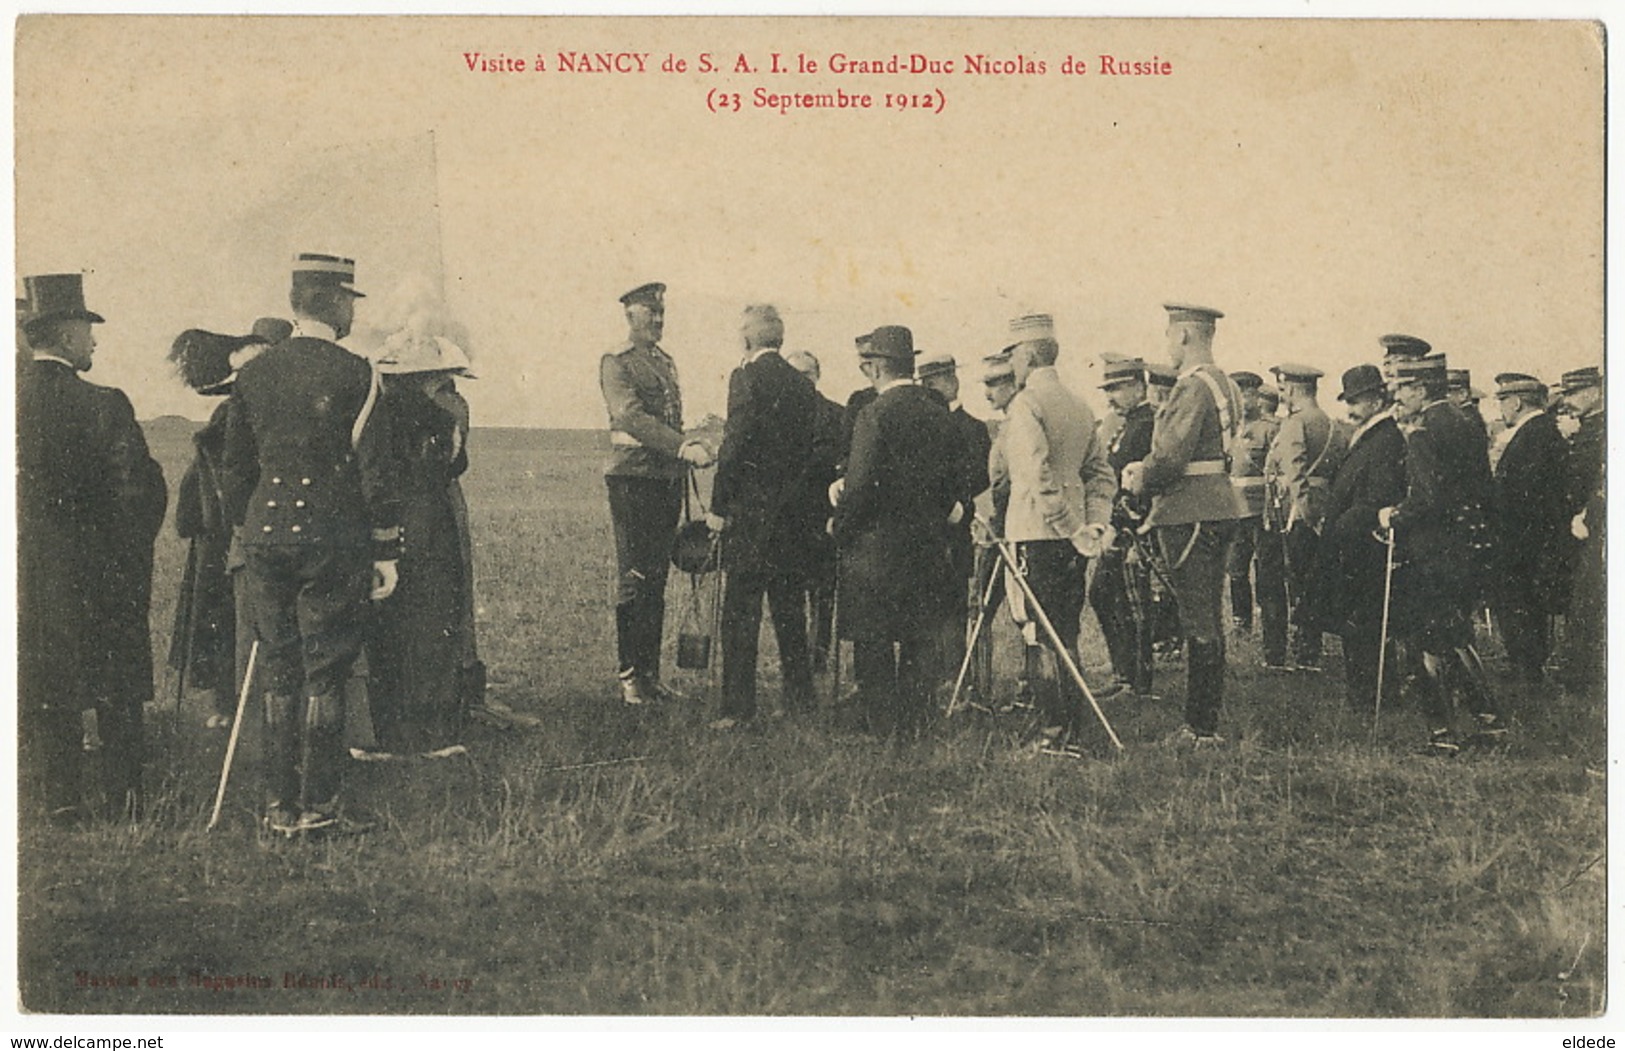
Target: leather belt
x=1197, y=467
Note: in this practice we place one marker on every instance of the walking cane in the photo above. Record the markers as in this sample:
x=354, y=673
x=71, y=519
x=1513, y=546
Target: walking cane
x=1382, y=641
x=1055, y=639
x=970, y=647
x=236, y=730
x=835, y=634
x=188, y=599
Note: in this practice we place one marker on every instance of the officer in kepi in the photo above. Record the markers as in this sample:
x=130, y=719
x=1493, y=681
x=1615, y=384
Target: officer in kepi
x=312, y=480
x=649, y=463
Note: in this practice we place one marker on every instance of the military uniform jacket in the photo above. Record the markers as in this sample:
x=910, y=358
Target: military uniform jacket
x=1131, y=444
x=998, y=477
x=1187, y=474
x=1533, y=545
x=308, y=460
x=1300, y=465
x=1247, y=461
x=1060, y=478
x=645, y=407
x=90, y=502
x=1351, y=560
x=892, y=523
x=763, y=466
x=1585, y=466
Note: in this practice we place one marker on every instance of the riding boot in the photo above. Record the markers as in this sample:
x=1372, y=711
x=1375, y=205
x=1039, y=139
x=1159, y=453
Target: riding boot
x=322, y=753
x=281, y=752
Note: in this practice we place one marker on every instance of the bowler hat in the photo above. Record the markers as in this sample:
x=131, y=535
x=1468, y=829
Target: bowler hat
x=889, y=341
x=1361, y=380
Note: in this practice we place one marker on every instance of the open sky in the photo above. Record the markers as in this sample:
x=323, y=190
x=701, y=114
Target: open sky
x=1321, y=182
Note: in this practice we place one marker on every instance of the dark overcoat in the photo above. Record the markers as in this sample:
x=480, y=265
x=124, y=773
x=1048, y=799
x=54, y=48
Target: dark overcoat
x=1534, y=549
x=902, y=480
x=204, y=640
x=763, y=468
x=975, y=445
x=1352, y=561
x=90, y=502
x=1443, y=543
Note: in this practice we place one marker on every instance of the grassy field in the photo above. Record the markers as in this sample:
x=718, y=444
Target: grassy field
x=616, y=861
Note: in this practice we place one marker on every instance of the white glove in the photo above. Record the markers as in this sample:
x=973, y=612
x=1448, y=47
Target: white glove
x=1090, y=540
x=695, y=454
x=836, y=488
x=1134, y=477
x=716, y=523
x=385, y=575
x=957, y=515
x=1385, y=518
x=1578, y=527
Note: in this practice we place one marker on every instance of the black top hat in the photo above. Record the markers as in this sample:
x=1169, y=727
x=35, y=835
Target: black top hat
x=652, y=294
x=316, y=269
x=890, y=341
x=53, y=297
x=1361, y=379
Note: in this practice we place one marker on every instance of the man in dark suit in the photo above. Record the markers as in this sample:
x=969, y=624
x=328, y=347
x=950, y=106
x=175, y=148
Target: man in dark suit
x=1531, y=519
x=90, y=501
x=1585, y=641
x=1346, y=597
x=312, y=479
x=827, y=454
x=940, y=373
x=901, y=489
x=759, y=505
x=1442, y=537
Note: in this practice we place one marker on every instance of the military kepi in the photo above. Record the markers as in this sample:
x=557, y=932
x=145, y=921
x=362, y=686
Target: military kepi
x=1579, y=379
x=320, y=270
x=1508, y=384
x=652, y=294
x=1427, y=367
x=1032, y=326
x=1120, y=373
x=934, y=365
x=57, y=297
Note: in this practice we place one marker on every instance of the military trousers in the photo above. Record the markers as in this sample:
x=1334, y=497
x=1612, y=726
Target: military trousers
x=1302, y=545
x=1194, y=554
x=1256, y=565
x=1056, y=572
x=644, y=513
x=308, y=605
x=1121, y=598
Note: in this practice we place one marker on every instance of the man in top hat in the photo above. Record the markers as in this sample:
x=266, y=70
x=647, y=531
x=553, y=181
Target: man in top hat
x=758, y=503
x=1061, y=492
x=1585, y=642
x=90, y=501
x=1531, y=516
x=312, y=479
x=1442, y=541
x=1346, y=596
x=1121, y=592
x=940, y=373
x=827, y=455
x=902, y=489
x=1256, y=551
x=1193, y=505
x=649, y=462
x=1301, y=462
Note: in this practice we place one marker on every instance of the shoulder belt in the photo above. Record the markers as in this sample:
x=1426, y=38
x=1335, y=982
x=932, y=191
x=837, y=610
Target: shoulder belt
x=366, y=406
x=1221, y=399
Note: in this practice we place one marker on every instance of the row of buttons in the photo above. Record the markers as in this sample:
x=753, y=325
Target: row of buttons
x=302, y=481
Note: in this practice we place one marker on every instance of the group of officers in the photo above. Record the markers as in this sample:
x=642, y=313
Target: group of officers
x=311, y=466
x=1394, y=529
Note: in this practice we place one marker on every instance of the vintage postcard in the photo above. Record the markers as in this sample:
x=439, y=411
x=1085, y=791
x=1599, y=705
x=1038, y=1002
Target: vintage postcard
x=368, y=366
